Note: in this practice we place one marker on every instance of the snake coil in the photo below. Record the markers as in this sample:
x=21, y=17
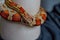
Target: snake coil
x=20, y=15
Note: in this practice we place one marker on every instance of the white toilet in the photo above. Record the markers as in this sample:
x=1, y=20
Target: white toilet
x=17, y=31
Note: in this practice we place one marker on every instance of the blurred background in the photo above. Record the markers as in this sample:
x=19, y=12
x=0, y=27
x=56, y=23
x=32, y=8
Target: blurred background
x=48, y=4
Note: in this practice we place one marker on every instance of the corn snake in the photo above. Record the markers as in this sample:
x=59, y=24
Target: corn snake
x=14, y=12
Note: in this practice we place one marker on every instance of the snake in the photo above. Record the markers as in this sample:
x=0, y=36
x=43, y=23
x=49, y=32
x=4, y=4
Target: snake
x=14, y=12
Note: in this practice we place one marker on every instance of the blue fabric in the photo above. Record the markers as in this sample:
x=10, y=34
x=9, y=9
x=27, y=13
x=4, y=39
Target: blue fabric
x=51, y=28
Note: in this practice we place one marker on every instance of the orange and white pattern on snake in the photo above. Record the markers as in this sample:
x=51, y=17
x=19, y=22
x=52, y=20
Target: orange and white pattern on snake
x=13, y=15
x=14, y=12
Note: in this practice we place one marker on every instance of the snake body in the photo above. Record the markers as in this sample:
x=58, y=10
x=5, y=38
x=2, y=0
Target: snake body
x=14, y=12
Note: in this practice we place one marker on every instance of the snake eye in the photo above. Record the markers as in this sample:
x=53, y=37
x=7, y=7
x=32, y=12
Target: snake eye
x=16, y=17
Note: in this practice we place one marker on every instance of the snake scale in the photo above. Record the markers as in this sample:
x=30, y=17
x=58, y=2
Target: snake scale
x=14, y=12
